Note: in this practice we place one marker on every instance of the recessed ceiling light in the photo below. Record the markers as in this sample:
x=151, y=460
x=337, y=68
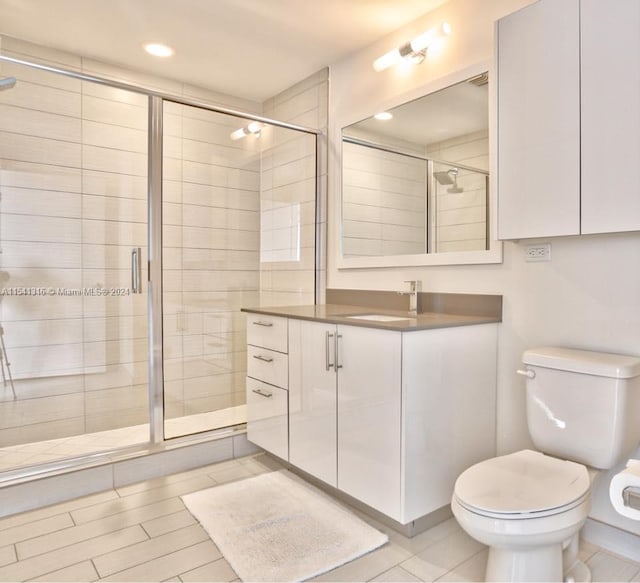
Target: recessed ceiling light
x=159, y=50
x=383, y=116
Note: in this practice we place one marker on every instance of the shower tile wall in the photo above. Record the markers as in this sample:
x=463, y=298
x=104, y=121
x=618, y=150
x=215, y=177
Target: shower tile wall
x=288, y=194
x=384, y=210
x=461, y=217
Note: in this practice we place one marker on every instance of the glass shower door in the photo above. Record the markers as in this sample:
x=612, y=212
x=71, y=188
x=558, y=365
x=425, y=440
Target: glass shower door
x=238, y=230
x=73, y=166
x=210, y=266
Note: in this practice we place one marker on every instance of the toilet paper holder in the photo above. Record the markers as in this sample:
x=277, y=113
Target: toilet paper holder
x=631, y=497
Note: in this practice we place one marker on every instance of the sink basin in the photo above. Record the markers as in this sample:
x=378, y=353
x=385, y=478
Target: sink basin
x=377, y=317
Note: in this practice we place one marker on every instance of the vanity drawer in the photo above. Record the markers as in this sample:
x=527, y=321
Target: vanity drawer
x=268, y=366
x=267, y=417
x=267, y=331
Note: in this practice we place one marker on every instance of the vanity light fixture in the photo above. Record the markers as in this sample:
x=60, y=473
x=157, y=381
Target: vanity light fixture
x=159, y=50
x=383, y=116
x=413, y=51
x=254, y=128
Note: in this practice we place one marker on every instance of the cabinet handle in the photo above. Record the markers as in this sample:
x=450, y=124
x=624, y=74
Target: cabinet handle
x=527, y=373
x=266, y=324
x=263, y=358
x=328, y=363
x=262, y=393
x=337, y=356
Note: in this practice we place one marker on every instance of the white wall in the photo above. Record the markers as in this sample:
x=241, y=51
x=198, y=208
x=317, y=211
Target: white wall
x=586, y=297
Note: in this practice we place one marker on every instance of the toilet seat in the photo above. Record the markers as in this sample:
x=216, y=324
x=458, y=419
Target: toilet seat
x=521, y=485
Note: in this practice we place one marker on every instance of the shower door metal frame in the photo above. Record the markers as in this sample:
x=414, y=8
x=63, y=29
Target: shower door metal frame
x=154, y=227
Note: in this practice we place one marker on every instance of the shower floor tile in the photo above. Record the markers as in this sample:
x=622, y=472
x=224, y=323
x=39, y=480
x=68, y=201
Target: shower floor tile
x=78, y=445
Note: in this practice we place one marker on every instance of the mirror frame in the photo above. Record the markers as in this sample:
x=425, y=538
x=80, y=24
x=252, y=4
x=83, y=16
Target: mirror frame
x=491, y=255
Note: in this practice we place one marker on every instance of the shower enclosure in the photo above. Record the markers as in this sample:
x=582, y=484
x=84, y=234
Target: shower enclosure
x=134, y=225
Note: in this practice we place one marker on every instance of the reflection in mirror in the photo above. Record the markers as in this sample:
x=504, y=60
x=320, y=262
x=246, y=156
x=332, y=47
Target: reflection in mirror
x=417, y=182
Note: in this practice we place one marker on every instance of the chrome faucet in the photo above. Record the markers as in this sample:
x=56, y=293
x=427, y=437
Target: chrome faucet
x=415, y=287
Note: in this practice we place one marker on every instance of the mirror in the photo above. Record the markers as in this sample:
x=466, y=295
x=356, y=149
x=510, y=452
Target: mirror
x=416, y=181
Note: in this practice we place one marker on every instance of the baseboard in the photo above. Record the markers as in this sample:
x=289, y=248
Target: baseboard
x=610, y=538
x=409, y=530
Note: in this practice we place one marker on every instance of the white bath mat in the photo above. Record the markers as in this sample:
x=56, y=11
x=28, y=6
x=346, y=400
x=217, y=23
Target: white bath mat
x=276, y=527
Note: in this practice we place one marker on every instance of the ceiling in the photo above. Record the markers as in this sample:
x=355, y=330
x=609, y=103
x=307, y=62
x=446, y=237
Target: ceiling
x=252, y=49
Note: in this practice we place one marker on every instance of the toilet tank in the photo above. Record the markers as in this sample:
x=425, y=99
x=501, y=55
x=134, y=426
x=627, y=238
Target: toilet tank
x=583, y=406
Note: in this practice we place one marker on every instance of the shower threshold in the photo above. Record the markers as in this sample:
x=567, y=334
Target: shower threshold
x=51, y=450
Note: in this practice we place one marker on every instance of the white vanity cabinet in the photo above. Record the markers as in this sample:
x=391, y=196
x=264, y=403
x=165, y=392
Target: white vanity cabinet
x=568, y=118
x=267, y=383
x=344, y=418
x=388, y=417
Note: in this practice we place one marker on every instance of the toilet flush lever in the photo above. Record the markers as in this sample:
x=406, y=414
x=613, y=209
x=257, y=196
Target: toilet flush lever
x=526, y=373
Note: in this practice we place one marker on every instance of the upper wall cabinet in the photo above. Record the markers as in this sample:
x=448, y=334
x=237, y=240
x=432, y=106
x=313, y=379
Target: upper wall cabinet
x=569, y=119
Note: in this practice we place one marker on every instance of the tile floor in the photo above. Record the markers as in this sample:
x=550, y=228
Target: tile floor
x=143, y=532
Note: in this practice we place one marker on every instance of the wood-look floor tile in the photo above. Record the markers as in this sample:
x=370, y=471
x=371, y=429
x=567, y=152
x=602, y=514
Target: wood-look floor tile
x=35, y=529
x=442, y=556
x=61, y=508
x=128, y=503
x=79, y=572
x=170, y=565
x=89, y=530
x=7, y=555
x=396, y=575
x=148, y=550
x=471, y=570
x=606, y=567
x=218, y=570
x=168, y=523
x=70, y=555
x=368, y=566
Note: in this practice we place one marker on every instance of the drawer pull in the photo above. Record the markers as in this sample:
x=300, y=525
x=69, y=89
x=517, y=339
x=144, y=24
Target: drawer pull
x=266, y=324
x=263, y=358
x=262, y=393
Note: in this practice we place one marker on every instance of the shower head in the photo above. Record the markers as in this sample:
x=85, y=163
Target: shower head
x=7, y=83
x=444, y=176
x=449, y=177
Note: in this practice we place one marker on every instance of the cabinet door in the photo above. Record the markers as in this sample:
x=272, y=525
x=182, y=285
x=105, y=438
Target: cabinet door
x=312, y=398
x=610, y=109
x=369, y=423
x=539, y=121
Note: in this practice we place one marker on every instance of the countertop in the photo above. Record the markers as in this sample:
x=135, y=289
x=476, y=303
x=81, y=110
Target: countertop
x=338, y=314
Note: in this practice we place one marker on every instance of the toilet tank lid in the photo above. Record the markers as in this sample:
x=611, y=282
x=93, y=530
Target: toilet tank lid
x=602, y=364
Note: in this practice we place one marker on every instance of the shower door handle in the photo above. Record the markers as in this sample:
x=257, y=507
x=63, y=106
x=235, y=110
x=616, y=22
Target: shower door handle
x=136, y=270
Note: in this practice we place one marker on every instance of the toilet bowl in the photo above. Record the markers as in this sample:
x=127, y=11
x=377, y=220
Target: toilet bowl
x=528, y=508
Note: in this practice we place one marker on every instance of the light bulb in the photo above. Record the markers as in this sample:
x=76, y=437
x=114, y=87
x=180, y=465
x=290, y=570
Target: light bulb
x=238, y=134
x=254, y=127
x=383, y=116
x=387, y=60
x=159, y=50
x=423, y=41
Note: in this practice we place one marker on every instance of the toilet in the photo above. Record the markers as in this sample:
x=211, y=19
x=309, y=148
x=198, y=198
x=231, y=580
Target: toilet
x=583, y=415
